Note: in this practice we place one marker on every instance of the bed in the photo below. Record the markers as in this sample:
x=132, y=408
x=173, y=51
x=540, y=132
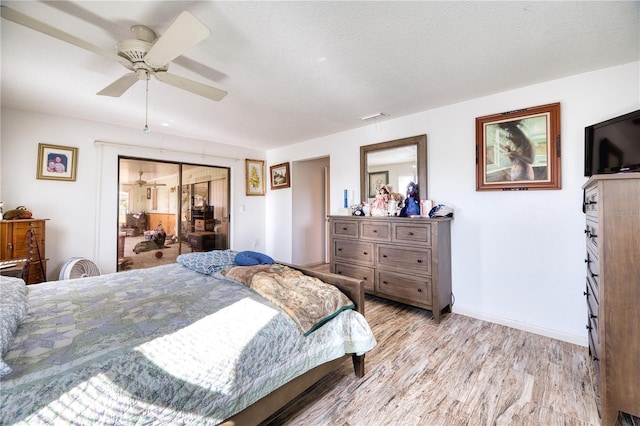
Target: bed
x=183, y=343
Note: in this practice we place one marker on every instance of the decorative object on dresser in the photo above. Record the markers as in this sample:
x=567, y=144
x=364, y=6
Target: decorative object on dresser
x=403, y=259
x=612, y=207
x=23, y=241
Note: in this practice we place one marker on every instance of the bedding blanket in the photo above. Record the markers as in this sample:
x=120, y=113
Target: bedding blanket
x=164, y=345
x=307, y=300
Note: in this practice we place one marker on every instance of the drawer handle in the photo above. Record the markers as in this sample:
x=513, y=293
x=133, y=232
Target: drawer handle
x=419, y=290
x=384, y=255
x=365, y=253
x=344, y=229
x=585, y=293
x=419, y=260
x=385, y=282
x=587, y=261
x=339, y=249
x=595, y=358
x=375, y=231
x=589, y=328
x=364, y=278
x=593, y=316
x=593, y=235
x=411, y=233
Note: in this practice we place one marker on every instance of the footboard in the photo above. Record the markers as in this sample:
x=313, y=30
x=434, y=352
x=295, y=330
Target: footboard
x=354, y=289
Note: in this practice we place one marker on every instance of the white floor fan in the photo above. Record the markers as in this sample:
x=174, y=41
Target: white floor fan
x=147, y=55
x=78, y=267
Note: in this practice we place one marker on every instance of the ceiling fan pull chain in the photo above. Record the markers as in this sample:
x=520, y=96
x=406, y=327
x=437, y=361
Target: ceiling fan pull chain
x=146, y=111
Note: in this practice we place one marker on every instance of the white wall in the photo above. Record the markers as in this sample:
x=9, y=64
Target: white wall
x=517, y=257
x=83, y=214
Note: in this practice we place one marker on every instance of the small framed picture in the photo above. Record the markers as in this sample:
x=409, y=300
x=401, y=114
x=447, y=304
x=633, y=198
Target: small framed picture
x=280, y=176
x=376, y=181
x=519, y=150
x=56, y=162
x=255, y=177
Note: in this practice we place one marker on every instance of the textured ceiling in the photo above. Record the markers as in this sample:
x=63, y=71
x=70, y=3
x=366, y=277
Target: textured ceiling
x=300, y=70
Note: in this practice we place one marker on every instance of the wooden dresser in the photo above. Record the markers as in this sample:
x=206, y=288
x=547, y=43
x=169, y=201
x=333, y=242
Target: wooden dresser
x=612, y=208
x=14, y=235
x=403, y=259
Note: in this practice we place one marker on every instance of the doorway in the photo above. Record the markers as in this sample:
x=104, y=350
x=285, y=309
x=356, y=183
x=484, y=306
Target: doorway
x=162, y=203
x=310, y=188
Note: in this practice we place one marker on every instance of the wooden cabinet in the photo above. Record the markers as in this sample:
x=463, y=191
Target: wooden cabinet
x=403, y=259
x=612, y=290
x=16, y=244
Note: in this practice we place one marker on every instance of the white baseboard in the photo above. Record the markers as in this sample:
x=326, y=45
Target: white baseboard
x=554, y=334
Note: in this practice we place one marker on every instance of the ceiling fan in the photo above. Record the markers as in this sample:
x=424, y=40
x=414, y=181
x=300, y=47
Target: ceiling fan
x=140, y=182
x=146, y=55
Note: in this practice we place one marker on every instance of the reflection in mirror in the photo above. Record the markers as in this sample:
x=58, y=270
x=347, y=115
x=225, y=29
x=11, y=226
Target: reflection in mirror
x=394, y=163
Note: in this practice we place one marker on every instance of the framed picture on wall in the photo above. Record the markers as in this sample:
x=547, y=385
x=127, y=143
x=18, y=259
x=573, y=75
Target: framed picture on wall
x=255, y=177
x=280, y=176
x=57, y=162
x=519, y=150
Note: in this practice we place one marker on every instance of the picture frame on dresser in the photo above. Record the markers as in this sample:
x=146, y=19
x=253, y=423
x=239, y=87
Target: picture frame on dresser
x=519, y=150
x=376, y=181
x=57, y=162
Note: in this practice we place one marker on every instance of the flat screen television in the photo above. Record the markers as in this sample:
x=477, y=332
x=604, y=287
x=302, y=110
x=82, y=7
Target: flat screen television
x=613, y=146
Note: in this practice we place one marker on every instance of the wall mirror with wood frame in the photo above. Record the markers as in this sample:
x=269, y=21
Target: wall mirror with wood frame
x=394, y=163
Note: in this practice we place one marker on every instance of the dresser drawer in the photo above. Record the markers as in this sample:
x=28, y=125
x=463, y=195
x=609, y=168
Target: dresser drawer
x=592, y=301
x=404, y=257
x=379, y=231
x=593, y=270
x=591, y=232
x=419, y=233
x=25, y=225
x=345, y=228
x=358, y=272
x=405, y=286
x=355, y=251
x=591, y=202
x=594, y=339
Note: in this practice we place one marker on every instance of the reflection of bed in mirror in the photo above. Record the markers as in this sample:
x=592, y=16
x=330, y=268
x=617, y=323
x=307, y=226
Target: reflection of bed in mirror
x=168, y=345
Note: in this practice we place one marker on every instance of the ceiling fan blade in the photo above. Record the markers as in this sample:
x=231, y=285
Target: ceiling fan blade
x=192, y=86
x=185, y=32
x=121, y=85
x=26, y=21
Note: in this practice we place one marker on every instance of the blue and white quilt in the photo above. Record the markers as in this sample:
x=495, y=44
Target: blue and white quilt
x=164, y=345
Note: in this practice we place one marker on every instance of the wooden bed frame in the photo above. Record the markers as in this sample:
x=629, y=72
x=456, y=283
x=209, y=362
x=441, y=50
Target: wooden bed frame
x=270, y=404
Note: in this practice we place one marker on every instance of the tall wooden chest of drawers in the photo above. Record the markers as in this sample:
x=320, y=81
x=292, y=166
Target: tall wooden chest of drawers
x=612, y=208
x=403, y=259
x=14, y=235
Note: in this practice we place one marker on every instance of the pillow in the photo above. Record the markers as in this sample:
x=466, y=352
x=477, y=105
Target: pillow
x=207, y=262
x=251, y=258
x=13, y=307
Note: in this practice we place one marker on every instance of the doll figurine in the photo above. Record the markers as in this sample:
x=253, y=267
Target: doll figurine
x=412, y=202
x=379, y=206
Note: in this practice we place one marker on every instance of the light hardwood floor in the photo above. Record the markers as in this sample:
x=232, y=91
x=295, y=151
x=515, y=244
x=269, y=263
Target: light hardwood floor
x=463, y=371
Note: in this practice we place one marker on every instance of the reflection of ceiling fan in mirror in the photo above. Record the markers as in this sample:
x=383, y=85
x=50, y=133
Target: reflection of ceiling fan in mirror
x=146, y=55
x=142, y=183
